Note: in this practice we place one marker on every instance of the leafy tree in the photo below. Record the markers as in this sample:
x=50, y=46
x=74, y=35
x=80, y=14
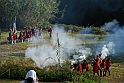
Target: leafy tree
x=9, y=10
x=28, y=12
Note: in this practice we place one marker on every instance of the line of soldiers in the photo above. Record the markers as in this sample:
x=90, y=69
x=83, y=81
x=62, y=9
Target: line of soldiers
x=83, y=67
x=28, y=33
x=99, y=65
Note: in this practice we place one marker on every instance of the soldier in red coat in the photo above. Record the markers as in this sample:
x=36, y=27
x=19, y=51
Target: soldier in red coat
x=108, y=65
x=29, y=33
x=99, y=59
x=14, y=37
x=22, y=35
x=96, y=67
x=84, y=66
x=76, y=67
x=103, y=68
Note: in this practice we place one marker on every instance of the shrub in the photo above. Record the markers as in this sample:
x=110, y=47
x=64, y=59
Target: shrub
x=47, y=74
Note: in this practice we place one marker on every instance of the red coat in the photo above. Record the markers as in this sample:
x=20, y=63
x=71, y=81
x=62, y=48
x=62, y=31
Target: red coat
x=96, y=67
x=14, y=36
x=51, y=30
x=24, y=36
x=103, y=66
x=84, y=66
x=108, y=64
x=99, y=60
x=76, y=67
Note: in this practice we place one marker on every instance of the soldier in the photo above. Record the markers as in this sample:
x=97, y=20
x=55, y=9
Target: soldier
x=108, y=66
x=96, y=67
x=103, y=68
x=22, y=35
x=30, y=77
x=99, y=59
x=28, y=80
x=10, y=37
x=28, y=33
x=41, y=33
x=84, y=66
x=14, y=36
x=93, y=60
x=50, y=31
x=36, y=32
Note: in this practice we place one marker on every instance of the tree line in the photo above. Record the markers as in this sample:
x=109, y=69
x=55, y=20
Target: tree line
x=70, y=12
x=91, y=12
x=27, y=12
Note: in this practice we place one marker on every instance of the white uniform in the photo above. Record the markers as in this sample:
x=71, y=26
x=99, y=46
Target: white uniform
x=104, y=52
x=32, y=74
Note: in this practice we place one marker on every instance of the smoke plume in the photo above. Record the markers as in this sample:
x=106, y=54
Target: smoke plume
x=114, y=40
x=44, y=52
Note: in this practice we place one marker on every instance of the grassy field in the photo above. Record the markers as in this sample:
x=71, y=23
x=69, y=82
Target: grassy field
x=6, y=50
x=117, y=74
x=8, y=81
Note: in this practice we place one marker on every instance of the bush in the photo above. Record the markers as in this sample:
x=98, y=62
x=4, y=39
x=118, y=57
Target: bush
x=47, y=74
x=55, y=74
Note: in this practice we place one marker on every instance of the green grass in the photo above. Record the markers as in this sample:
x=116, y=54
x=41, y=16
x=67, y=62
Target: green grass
x=9, y=81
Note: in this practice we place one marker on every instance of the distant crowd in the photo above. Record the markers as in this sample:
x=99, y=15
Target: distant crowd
x=99, y=66
x=28, y=33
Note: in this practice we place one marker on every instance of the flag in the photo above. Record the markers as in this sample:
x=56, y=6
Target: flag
x=14, y=24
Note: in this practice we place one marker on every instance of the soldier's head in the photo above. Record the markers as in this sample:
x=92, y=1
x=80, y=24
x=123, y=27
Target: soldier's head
x=35, y=26
x=100, y=55
x=96, y=60
x=103, y=60
x=85, y=61
x=10, y=29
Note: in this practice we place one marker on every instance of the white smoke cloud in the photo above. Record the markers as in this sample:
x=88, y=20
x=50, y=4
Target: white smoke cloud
x=44, y=53
x=111, y=47
x=104, y=52
x=110, y=25
x=41, y=53
x=114, y=40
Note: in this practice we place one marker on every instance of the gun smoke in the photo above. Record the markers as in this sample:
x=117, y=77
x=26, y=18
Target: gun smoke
x=44, y=52
x=114, y=40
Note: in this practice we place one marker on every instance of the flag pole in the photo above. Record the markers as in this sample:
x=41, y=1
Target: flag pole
x=14, y=24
